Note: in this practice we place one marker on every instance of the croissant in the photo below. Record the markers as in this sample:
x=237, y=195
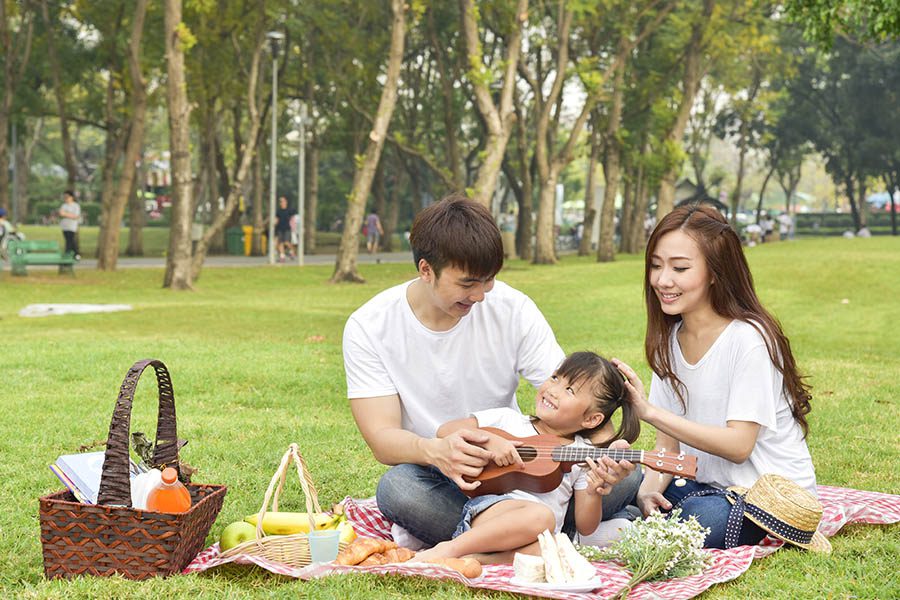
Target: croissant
x=358, y=550
x=362, y=548
x=375, y=559
x=398, y=555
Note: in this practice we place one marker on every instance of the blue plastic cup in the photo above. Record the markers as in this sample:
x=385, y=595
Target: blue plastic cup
x=323, y=545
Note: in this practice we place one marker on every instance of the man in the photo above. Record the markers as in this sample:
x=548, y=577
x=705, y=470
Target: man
x=283, y=229
x=69, y=216
x=437, y=348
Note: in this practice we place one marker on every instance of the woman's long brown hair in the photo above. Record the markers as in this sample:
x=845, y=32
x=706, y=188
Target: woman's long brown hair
x=733, y=296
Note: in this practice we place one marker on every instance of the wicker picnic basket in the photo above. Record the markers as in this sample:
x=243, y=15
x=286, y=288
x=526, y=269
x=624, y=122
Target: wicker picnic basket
x=110, y=537
x=293, y=549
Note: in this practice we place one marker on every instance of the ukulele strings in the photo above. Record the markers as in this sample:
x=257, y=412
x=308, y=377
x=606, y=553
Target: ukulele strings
x=548, y=451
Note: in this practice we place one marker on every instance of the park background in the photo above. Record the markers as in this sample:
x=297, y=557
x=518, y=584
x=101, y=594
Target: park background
x=577, y=123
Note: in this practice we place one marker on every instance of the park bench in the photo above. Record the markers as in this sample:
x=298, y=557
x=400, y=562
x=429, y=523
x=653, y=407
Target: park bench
x=38, y=252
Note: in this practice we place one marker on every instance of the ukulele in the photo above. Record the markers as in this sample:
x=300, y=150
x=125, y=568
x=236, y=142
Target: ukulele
x=547, y=457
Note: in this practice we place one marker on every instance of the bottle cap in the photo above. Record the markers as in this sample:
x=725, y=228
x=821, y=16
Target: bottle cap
x=169, y=475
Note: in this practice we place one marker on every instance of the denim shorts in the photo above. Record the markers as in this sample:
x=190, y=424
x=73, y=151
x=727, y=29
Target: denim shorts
x=475, y=507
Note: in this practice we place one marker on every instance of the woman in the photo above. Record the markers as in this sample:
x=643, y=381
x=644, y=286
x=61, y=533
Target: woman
x=725, y=385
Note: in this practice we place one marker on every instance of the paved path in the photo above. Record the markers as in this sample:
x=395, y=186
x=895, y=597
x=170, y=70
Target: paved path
x=126, y=262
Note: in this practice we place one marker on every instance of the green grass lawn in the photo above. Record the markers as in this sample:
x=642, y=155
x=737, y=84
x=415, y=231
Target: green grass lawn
x=255, y=358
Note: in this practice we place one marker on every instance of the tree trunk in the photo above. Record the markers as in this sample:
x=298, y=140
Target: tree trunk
x=629, y=193
x=449, y=113
x=392, y=214
x=892, y=180
x=136, y=217
x=68, y=148
x=498, y=121
x=545, y=154
x=762, y=194
x=590, y=197
x=178, y=274
x=312, y=198
x=606, y=248
x=525, y=221
x=214, y=192
x=246, y=157
x=739, y=183
x=743, y=144
x=550, y=160
x=109, y=247
x=16, y=50
x=115, y=136
x=114, y=147
x=642, y=198
x=257, y=248
x=545, y=238
x=690, y=84
x=629, y=200
x=850, y=189
x=415, y=182
x=863, y=205
x=378, y=189
x=23, y=165
x=345, y=265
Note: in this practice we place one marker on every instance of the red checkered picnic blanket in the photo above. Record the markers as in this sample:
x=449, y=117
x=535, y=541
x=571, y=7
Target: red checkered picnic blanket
x=840, y=506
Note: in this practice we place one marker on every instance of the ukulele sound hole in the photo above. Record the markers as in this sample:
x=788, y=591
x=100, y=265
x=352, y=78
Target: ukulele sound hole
x=528, y=453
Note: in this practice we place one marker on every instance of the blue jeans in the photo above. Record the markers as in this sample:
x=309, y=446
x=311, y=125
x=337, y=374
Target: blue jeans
x=711, y=512
x=427, y=504
x=422, y=500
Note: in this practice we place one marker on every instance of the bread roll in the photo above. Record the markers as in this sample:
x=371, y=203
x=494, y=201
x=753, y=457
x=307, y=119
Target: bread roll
x=468, y=567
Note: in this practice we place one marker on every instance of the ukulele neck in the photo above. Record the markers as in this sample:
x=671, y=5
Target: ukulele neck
x=577, y=454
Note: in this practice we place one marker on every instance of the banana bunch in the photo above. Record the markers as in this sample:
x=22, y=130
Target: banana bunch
x=287, y=523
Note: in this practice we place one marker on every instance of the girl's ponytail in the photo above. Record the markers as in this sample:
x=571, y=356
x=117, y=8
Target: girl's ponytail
x=630, y=426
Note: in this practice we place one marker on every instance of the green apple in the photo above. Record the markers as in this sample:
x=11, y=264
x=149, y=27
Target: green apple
x=236, y=533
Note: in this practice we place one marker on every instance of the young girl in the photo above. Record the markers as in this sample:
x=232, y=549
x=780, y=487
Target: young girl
x=725, y=386
x=576, y=403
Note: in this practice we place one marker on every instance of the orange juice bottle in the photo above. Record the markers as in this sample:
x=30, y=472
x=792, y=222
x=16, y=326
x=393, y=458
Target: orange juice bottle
x=170, y=495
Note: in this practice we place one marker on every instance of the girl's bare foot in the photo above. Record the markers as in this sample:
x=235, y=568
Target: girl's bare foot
x=442, y=550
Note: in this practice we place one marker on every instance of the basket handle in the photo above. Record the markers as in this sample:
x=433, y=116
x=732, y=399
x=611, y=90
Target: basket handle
x=272, y=493
x=115, y=479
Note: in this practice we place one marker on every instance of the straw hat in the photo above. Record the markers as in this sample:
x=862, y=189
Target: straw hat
x=785, y=510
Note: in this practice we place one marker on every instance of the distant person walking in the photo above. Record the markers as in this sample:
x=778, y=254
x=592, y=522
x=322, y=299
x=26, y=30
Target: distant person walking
x=69, y=217
x=374, y=231
x=283, y=229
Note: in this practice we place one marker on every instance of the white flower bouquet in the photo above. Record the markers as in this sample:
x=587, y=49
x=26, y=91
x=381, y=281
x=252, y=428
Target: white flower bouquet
x=657, y=548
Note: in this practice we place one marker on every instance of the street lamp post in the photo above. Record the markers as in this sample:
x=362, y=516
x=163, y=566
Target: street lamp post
x=275, y=38
x=301, y=187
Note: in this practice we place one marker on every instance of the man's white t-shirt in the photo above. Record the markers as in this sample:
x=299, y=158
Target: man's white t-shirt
x=737, y=381
x=520, y=425
x=445, y=375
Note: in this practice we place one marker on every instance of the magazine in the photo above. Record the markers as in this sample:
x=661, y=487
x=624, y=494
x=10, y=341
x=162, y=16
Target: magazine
x=81, y=474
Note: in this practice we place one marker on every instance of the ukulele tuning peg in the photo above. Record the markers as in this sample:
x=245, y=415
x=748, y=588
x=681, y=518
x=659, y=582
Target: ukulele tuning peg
x=679, y=482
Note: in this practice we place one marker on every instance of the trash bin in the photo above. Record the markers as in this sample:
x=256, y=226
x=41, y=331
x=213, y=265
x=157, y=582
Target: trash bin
x=234, y=241
x=248, y=239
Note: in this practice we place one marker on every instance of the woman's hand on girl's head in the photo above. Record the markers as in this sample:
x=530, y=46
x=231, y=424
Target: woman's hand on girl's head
x=635, y=387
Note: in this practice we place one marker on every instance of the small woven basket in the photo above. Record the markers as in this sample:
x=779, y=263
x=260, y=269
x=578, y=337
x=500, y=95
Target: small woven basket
x=110, y=537
x=293, y=549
